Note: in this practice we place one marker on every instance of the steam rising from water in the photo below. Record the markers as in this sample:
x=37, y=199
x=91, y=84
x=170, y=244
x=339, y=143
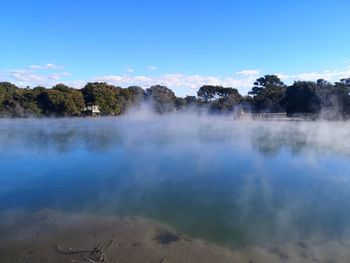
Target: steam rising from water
x=232, y=182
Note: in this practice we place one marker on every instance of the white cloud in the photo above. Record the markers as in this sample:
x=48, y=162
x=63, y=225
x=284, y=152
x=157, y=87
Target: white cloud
x=152, y=67
x=46, y=66
x=28, y=78
x=178, y=80
x=242, y=80
x=34, y=76
x=330, y=75
x=248, y=72
x=184, y=83
x=130, y=70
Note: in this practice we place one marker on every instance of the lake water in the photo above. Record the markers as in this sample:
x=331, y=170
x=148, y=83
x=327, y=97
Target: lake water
x=230, y=182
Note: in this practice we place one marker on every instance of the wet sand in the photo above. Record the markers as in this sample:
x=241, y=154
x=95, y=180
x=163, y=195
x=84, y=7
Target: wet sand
x=48, y=236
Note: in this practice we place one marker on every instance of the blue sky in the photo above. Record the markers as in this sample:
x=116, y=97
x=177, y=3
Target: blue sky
x=182, y=44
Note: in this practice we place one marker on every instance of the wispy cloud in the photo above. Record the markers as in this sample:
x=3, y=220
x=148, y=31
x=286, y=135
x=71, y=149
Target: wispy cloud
x=152, y=67
x=49, y=74
x=28, y=78
x=46, y=66
x=243, y=80
x=130, y=70
x=248, y=72
x=178, y=80
x=330, y=75
x=33, y=75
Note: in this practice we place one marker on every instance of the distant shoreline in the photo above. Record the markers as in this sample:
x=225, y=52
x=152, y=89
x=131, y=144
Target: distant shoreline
x=269, y=95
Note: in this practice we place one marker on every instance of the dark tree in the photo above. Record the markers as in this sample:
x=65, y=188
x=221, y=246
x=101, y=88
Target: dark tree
x=302, y=97
x=180, y=104
x=191, y=101
x=342, y=93
x=267, y=93
x=209, y=92
x=219, y=98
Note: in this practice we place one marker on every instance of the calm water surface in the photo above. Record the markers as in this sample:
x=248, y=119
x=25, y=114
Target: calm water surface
x=228, y=182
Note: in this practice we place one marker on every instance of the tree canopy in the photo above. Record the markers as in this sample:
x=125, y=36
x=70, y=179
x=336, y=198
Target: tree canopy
x=162, y=98
x=268, y=94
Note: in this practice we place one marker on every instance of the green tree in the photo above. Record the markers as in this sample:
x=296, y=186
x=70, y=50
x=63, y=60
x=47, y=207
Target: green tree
x=162, y=98
x=103, y=95
x=61, y=100
x=7, y=92
x=138, y=94
x=29, y=100
x=11, y=98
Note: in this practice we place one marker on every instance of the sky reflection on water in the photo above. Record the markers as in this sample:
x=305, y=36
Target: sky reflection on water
x=228, y=182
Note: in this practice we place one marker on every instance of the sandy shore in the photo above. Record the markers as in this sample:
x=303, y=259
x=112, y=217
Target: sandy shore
x=48, y=236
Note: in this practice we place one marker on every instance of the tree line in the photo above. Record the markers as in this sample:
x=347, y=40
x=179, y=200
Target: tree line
x=268, y=94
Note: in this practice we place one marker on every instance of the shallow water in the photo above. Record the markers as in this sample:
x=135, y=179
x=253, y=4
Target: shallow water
x=232, y=183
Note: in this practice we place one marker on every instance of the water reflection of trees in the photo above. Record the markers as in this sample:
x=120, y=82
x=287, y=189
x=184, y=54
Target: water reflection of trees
x=270, y=142
x=39, y=139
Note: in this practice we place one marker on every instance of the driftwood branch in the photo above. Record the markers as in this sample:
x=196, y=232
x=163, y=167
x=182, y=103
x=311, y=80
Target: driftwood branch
x=90, y=260
x=69, y=250
x=97, y=254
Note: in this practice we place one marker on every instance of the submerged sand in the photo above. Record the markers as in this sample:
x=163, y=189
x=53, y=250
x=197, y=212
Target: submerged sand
x=49, y=236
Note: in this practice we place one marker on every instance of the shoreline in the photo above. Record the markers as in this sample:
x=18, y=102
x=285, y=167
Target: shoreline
x=49, y=236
